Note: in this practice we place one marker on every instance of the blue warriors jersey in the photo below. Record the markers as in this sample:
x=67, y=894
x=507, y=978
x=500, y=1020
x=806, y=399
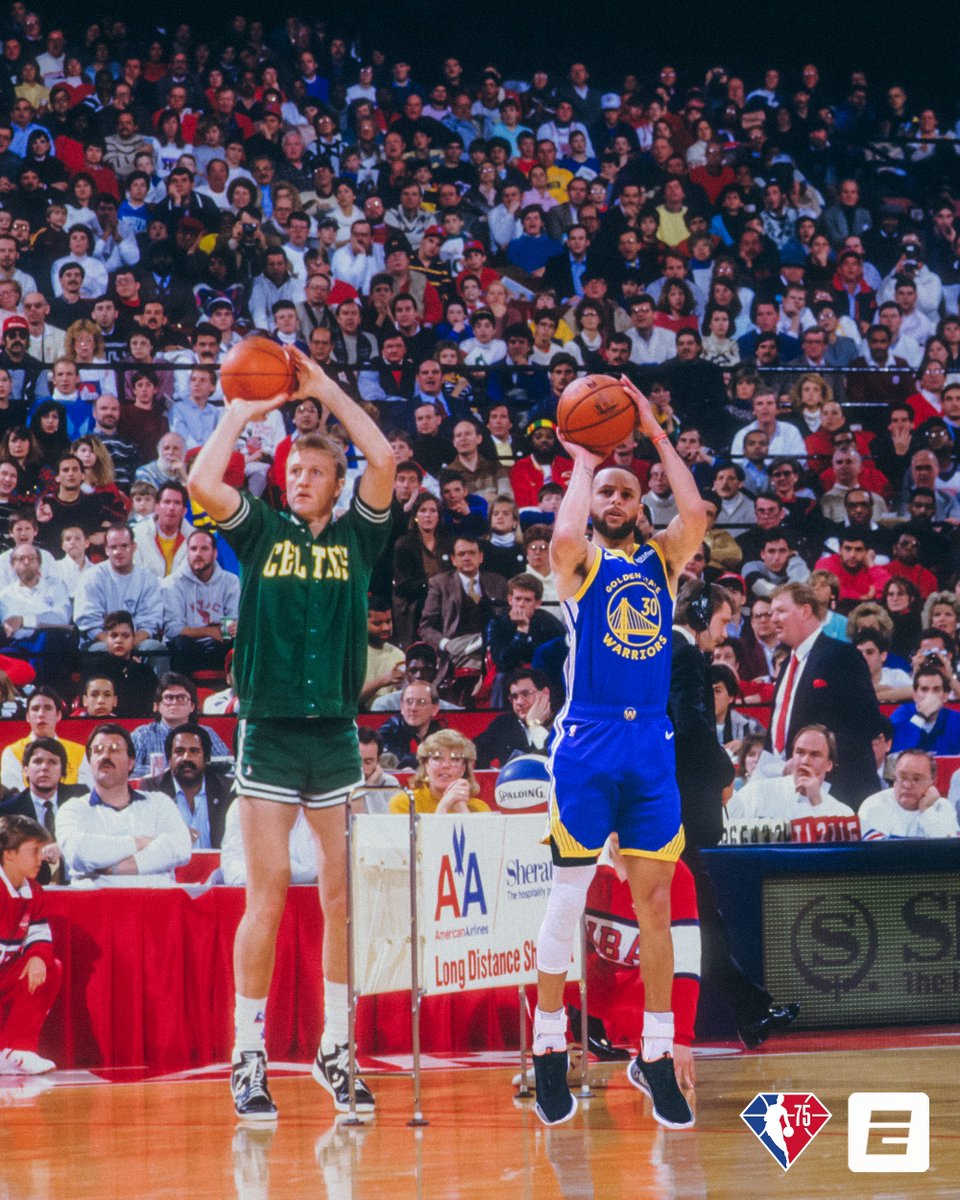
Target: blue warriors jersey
x=620, y=622
x=612, y=760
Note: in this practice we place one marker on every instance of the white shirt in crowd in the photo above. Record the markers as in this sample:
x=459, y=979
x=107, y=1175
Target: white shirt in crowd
x=93, y=836
x=779, y=800
x=787, y=441
x=882, y=814
x=303, y=851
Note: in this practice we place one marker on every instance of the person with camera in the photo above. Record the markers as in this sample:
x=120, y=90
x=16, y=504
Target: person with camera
x=248, y=244
x=915, y=288
x=926, y=723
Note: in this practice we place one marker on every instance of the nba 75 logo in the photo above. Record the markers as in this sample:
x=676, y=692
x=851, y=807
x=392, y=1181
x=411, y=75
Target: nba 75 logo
x=785, y=1122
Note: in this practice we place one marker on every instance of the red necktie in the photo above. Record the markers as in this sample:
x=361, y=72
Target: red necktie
x=780, y=735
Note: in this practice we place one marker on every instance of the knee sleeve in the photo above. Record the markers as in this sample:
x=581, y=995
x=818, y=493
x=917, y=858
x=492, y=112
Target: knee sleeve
x=568, y=898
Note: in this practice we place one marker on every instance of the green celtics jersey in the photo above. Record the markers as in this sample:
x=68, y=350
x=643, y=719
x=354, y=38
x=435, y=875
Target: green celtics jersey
x=301, y=648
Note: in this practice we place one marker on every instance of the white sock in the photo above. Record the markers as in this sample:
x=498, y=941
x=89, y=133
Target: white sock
x=249, y=1025
x=336, y=1018
x=657, y=1035
x=549, y=1030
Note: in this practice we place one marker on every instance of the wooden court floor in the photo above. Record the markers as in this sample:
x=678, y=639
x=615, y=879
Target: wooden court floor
x=156, y=1139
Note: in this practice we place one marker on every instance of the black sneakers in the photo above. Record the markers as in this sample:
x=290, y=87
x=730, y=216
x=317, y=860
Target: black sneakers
x=330, y=1070
x=555, y=1102
x=658, y=1080
x=248, y=1083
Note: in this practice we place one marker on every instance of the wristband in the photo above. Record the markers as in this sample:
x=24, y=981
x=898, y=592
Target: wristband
x=661, y=437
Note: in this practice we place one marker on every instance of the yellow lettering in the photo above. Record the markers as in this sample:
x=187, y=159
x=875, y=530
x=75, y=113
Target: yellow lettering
x=318, y=553
x=270, y=566
x=299, y=570
x=333, y=563
x=287, y=559
x=345, y=561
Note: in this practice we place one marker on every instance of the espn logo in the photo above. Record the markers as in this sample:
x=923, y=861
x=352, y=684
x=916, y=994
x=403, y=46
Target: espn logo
x=888, y=1132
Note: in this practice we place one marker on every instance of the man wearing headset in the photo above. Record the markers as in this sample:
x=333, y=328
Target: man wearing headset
x=705, y=778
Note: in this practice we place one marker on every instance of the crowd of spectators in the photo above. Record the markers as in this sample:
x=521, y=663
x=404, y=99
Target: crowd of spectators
x=773, y=259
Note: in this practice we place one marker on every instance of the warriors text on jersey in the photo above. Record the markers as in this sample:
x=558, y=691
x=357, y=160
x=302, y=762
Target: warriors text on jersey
x=301, y=647
x=612, y=758
x=619, y=623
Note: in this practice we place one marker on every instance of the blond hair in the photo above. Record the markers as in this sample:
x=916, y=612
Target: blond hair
x=826, y=391
x=453, y=742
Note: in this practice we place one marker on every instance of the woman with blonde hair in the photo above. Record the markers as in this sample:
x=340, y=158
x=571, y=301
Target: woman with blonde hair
x=444, y=781
x=942, y=611
x=809, y=393
x=506, y=310
x=84, y=345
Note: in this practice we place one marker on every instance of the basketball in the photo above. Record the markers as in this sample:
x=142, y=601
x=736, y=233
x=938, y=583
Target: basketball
x=596, y=412
x=257, y=369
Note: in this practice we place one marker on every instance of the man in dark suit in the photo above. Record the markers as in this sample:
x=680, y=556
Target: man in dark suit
x=704, y=775
x=460, y=605
x=514, y=636
x=525, y=730
x=562, y=217
x=824, y=682
x=45, y=764
x=564, y=271
x=201, y=795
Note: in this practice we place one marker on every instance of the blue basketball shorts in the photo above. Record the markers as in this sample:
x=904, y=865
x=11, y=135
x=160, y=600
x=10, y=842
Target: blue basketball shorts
x=614, y=771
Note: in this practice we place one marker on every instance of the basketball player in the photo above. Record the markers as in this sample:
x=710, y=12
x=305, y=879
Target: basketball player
x=298, y=667
x=613, y=761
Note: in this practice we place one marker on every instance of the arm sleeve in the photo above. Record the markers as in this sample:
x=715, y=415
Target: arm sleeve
x=85, y=851
x=242, y=530
x=258, y=305
x=39, y=940
x=11, y=770
x=371, y=527
x=508, y=647
x=88, y=610
x=409, y=581
x=171, y=846
x=370, y=387
x=149, y=613
x=939, y=821
x=431, y=620
x=128, y=249
x=694, y=726
x=231, y=596
x=174, y=607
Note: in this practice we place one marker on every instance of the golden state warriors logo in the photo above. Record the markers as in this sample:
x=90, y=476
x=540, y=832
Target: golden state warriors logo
x=634, y=619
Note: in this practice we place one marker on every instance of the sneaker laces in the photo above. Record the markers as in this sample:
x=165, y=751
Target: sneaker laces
x=252, y=1075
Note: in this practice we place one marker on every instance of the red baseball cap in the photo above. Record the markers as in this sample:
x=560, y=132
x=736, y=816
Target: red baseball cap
x=16, y=322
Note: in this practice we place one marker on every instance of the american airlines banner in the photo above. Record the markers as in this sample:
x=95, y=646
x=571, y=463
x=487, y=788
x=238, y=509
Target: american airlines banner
x=482, y=887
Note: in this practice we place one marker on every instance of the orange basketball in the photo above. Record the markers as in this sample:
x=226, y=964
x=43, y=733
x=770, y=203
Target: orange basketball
x=257, y=369
x=596, y=412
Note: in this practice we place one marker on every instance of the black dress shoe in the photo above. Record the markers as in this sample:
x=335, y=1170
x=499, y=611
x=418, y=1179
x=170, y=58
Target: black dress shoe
x=598, y=1043
x=777, y=1018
